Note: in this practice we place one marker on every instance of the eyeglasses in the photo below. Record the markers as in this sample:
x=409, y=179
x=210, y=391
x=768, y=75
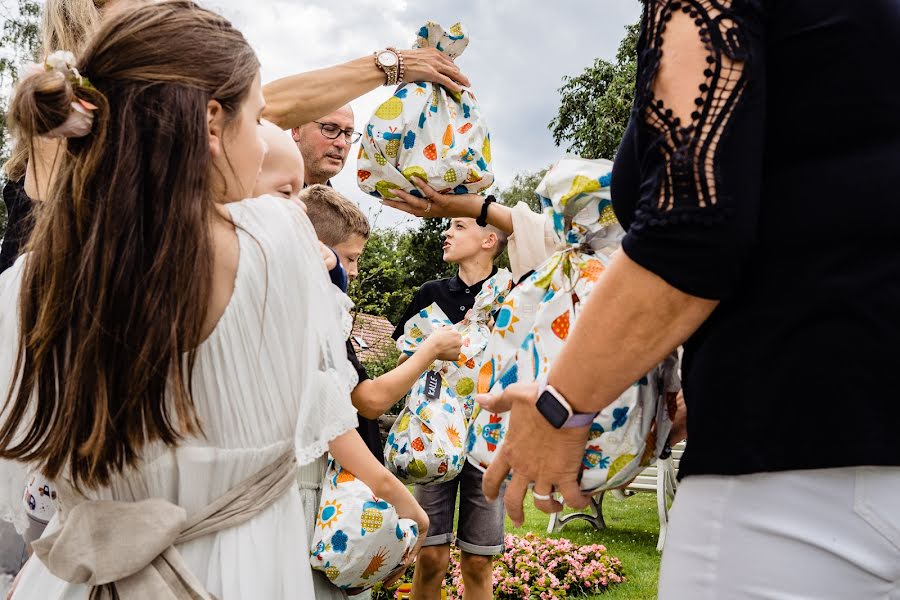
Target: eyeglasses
x=332, y=131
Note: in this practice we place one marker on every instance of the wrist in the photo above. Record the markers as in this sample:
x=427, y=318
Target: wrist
x=472, y=206
x=481, y=220
x=558, y=411
x=578, y=401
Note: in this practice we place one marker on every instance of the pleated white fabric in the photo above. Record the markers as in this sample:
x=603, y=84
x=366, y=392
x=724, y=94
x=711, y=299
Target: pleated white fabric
x=273, y=374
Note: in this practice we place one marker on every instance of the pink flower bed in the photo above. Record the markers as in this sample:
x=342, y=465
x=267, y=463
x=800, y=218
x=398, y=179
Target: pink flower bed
x=536, y=568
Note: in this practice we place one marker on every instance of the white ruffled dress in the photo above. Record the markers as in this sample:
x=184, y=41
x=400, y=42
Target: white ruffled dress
x=272, y=375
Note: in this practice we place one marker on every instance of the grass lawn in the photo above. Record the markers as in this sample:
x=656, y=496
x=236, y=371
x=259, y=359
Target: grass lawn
x=631, y=534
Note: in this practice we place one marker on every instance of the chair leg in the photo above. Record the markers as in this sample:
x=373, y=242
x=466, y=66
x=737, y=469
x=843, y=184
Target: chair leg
x=551, y=525
x=664, y=492
x=595, y=517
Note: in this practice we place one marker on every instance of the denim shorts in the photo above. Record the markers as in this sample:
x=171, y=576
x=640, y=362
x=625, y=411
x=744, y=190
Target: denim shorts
x=480, y=528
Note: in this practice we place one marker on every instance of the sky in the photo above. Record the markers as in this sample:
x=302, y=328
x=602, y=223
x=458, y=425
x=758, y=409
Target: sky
x=518, y=53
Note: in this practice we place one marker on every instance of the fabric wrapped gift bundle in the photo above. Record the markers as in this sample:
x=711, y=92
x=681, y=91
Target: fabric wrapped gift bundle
x=426, y=131
x=535, y=320
x=359, y=539
x=427, y=442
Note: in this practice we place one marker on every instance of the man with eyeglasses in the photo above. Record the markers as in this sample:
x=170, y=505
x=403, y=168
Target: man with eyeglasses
x=325, y=145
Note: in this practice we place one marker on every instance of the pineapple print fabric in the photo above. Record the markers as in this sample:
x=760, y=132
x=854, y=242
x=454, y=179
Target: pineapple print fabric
x=359, y=540
x=427, y=132
x=427, y=442
x=538, y=315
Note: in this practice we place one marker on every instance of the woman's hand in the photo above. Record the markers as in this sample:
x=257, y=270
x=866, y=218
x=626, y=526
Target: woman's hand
x=451, y=206
x=534, y=451
x=679, y=421
x=434, y=204
x=444, y=344
x=427, y=64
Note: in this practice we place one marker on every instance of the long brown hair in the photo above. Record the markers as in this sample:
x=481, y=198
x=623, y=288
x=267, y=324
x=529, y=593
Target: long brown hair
x=118, y=280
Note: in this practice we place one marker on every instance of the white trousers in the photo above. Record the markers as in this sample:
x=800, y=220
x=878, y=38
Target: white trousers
x=830, y=534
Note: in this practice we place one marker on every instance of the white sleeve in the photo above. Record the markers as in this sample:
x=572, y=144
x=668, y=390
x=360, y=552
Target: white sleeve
x=13, y=475
x=326, y=411
x=531, y=242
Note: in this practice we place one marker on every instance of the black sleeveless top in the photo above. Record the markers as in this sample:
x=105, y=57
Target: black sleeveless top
x=780, y=199
x=19, y=208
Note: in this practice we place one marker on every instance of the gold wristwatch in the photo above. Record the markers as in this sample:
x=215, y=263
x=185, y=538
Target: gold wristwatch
x=391, y=62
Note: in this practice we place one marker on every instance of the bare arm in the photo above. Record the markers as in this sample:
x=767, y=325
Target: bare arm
x=351, y=452
x=373, y=397
x=298, y=99
x=450, y=206
x=631, y=322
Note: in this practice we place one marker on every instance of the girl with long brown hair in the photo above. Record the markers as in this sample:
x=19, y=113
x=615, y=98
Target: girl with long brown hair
x=174, y=351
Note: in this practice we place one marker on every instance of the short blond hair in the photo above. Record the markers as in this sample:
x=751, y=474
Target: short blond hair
x=334, y=217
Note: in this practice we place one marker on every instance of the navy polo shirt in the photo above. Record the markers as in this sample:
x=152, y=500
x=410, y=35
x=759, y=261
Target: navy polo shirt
x=452, y=294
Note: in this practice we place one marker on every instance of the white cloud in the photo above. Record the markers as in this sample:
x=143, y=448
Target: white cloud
x=518, y=53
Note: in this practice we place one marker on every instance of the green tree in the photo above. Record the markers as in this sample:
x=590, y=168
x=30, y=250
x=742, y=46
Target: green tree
x=595, y=105
x=20, y=41
x=424, y=252
x=522, y=189
x=381, y=287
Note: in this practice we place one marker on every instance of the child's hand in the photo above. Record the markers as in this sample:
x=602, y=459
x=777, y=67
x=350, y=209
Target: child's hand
x=328, y=256
x=445, y=344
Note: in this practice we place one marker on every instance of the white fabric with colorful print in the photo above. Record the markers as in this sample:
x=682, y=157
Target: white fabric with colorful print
x=426, y=131
x=40, y=498
x=359, y=539
x=427, y=442
x=536, y=318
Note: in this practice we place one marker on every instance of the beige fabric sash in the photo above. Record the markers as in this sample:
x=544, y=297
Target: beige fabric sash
x=126, y=550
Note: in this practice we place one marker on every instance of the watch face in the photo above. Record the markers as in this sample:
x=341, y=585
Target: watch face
x=388, y=59
x=555, y=413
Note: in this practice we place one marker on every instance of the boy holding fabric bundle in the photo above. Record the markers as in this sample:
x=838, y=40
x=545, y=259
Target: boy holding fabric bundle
x=341, y=225
x=479, y=533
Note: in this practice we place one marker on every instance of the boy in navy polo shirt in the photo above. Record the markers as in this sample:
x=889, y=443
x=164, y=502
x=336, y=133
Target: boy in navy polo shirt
x=341, y=225
x=479, y=533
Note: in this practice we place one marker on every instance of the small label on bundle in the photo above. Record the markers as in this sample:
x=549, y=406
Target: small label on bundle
x=433, y=385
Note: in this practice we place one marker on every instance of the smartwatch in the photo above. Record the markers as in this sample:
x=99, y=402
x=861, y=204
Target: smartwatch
x=558, y=412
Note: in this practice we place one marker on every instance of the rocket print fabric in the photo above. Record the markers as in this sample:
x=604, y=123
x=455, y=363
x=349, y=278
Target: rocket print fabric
x=425, y=131
x=359, y=540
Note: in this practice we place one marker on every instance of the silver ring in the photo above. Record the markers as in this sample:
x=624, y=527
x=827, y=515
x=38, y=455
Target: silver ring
x=537, y=496
x=428, y=207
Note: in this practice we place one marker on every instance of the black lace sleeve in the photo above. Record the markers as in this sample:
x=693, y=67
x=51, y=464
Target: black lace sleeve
x=699, y=115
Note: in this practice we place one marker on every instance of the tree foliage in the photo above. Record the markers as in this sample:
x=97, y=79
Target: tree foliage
x=395, y=264
x=20, y=41
x=522, y=189
x=595, y=105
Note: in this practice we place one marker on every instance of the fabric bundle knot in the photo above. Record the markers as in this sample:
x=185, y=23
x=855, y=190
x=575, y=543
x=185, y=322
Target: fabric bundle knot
x=427, y=131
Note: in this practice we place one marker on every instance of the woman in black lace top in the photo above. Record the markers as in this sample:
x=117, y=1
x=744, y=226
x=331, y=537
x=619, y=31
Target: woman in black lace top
x=758, y=183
